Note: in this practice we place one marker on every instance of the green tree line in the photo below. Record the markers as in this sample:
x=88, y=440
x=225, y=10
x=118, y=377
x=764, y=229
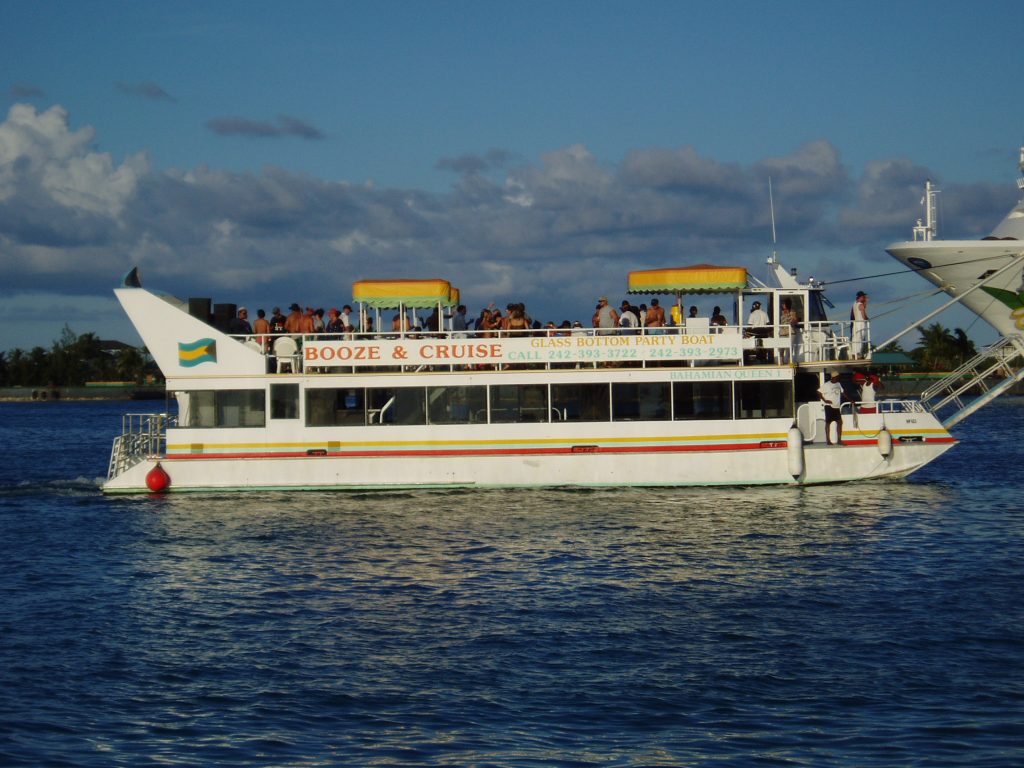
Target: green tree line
x=72, y=360
x=940, y=349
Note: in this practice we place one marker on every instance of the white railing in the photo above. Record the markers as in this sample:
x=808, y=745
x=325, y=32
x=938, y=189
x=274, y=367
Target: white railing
x=142, y=435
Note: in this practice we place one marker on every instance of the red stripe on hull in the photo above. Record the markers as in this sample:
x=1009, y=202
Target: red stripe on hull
x=454, y=452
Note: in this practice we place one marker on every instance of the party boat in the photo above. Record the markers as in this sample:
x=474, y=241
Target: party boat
x=684, y=405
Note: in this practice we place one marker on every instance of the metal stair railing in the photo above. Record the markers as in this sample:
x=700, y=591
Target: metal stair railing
x=142, y=435
x=977, y=373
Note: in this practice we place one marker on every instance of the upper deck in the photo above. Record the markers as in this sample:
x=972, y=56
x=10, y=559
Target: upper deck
x=189, y=347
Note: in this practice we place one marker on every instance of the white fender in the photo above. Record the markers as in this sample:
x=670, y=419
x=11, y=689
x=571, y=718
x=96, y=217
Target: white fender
x=795, y=451
x=885, y=442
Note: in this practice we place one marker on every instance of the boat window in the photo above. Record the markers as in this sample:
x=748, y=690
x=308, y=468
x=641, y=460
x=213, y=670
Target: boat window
x=764, y=399
x=651, y=401
x=284, y=401
x=401, y=406
x=225, y=408
x=701, y=400
x=580, y=402
x=456, y=405
x=512, y=404
x=335, y=407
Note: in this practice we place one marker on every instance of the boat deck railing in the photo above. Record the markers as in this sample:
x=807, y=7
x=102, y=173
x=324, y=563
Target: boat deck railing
x=810, y=342
x=142, y=435
x=810, y=417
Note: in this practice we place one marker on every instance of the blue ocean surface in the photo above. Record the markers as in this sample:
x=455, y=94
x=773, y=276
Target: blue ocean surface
x=870, y=624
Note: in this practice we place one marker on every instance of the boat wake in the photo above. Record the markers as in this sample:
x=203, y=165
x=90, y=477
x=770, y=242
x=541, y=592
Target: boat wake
x=78, y=486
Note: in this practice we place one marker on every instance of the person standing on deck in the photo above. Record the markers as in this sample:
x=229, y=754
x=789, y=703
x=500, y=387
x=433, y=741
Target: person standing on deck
x=262, y=328
x=757, y=318
x=240, y=324
x=655, y=319
x=859, y=316
x=831, y=394
x=293, y=323
x=628, y=319
x=606, y=319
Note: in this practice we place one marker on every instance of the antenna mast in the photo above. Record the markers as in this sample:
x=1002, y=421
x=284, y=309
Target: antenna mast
x=927, y=231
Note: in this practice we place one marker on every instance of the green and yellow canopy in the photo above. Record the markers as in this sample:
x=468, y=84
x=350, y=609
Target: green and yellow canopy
x=700, y=278
x=409, y=293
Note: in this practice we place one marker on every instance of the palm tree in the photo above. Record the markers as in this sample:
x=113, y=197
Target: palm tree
x=937, y=348
x=963, y=346
x=130, y=364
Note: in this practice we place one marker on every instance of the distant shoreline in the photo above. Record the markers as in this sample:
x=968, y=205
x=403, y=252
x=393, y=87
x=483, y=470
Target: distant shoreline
x=71, y=394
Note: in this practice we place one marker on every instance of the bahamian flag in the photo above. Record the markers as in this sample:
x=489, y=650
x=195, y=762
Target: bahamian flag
x=196, y=352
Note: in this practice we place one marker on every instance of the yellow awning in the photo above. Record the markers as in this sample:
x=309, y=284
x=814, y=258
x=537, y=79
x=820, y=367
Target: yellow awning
x=700, y=278
x=409, y=293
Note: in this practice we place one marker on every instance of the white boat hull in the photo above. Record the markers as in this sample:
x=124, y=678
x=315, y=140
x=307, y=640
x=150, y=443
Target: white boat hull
x=766, y=461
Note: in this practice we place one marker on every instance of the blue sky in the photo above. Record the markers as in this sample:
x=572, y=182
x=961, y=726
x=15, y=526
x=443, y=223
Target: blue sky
x=264, y=153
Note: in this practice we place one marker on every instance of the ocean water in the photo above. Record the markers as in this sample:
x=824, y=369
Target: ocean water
x=872, y=624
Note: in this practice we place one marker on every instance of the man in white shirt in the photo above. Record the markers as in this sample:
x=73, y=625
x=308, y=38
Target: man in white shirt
x=831, y=394
x=757, y=318
x=628, y=320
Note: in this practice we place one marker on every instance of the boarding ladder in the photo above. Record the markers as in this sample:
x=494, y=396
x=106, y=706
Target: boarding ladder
x=1004, y=361
x=142, y=435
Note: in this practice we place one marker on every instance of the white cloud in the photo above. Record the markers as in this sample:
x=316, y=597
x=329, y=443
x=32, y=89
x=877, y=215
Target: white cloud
x=38, y=148
x=555, y=234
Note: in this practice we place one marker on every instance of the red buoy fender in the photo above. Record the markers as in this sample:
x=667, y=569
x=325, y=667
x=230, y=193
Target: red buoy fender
x=157, y=479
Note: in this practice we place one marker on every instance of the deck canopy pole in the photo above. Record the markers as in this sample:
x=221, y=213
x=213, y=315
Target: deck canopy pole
x=948, y=304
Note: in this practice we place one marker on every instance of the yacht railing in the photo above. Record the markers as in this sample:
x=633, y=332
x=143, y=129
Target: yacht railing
x=143, y=435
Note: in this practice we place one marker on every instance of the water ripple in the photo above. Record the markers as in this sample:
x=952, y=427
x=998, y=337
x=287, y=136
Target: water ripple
x=875, y=624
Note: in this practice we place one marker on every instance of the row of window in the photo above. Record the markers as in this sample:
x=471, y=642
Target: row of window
x=496, y=404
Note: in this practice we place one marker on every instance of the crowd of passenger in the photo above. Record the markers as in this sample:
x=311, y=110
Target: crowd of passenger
x=490, y=323
x=516, y=320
